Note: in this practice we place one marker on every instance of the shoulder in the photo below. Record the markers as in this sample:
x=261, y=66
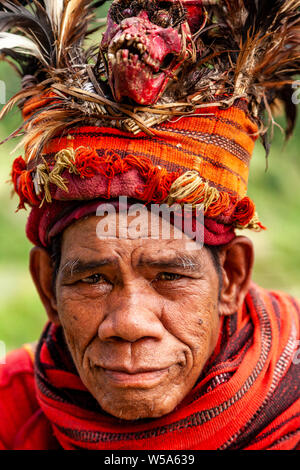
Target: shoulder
x=17, y=369
x=17, y=393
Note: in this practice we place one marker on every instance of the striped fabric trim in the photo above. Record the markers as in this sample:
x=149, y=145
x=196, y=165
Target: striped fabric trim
x=279, y=371
x=265, y=435
x=217, y=140
x=171, y=167
x=212, y=419
x=195, y=419
x=232, y=177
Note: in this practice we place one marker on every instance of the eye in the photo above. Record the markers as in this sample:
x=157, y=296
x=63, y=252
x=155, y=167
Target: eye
x=94, y=279
x=168, y=277
x=123, y=9
x=127, y=13
x=162, y=18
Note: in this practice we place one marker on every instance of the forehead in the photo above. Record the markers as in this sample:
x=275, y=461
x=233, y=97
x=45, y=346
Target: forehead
x=121, y=230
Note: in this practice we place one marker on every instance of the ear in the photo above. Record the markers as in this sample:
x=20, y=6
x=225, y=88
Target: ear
x=41, y=271
x=237, y=258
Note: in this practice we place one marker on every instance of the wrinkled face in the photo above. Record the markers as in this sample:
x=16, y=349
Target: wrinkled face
x=140, y=316
x=146, y=42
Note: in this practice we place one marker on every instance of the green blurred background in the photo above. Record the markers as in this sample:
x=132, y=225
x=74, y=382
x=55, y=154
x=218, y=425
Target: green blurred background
x=276, y=193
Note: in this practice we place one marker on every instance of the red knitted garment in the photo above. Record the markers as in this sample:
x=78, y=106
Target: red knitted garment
x=246, y=398
x=47, y=222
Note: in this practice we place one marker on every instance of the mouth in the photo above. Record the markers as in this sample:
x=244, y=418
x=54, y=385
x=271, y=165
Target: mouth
x=138, y=379
x=131, y=50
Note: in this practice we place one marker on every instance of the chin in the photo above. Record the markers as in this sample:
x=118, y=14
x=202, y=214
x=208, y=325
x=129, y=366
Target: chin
x=137, y=410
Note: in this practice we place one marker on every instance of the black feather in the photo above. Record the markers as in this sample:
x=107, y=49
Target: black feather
x=36, y=26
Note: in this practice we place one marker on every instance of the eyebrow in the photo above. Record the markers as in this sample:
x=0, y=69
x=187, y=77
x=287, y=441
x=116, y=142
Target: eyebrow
x=187, y=263
x=77, y=266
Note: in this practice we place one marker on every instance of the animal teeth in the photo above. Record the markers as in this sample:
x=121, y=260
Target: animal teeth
x=111, y=58
x=119, y=56
x=150, y=61
x=141, y=47
x=125, y=53
x=118, y=41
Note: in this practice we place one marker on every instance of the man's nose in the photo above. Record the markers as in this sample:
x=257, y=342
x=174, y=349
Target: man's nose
x=132, y=315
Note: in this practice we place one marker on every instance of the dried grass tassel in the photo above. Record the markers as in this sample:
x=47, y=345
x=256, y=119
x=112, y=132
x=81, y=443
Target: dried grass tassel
x=190, y=188
x=254, y=224
x=44, y=175
x=41, y=178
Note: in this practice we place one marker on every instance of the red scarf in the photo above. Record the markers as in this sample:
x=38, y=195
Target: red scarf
x=248, y=396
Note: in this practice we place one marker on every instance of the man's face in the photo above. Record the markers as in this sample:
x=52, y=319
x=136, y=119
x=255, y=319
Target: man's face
x=140, y=316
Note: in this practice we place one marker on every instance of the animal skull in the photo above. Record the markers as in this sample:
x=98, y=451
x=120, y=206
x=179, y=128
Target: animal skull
x=146, y=44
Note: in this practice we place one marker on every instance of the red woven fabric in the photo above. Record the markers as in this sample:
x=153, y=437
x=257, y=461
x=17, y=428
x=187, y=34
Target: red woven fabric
x=51, y=219
x=218, y=143
x=105, y=162
x=42, y=226
x=246, y=398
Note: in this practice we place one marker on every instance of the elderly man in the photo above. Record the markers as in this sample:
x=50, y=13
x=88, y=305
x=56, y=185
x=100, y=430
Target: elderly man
x=154, y=341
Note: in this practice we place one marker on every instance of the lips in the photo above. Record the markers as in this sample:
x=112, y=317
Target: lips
x=140, y=378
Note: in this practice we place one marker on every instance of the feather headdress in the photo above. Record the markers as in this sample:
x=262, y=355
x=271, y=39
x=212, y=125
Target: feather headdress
x=241, y=49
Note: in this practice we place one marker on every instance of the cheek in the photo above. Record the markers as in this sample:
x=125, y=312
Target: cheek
x=80, y=318
x=193, y=318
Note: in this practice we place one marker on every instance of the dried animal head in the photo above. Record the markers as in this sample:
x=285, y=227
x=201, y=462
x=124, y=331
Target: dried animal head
x=146, y=44
x=157, y=59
